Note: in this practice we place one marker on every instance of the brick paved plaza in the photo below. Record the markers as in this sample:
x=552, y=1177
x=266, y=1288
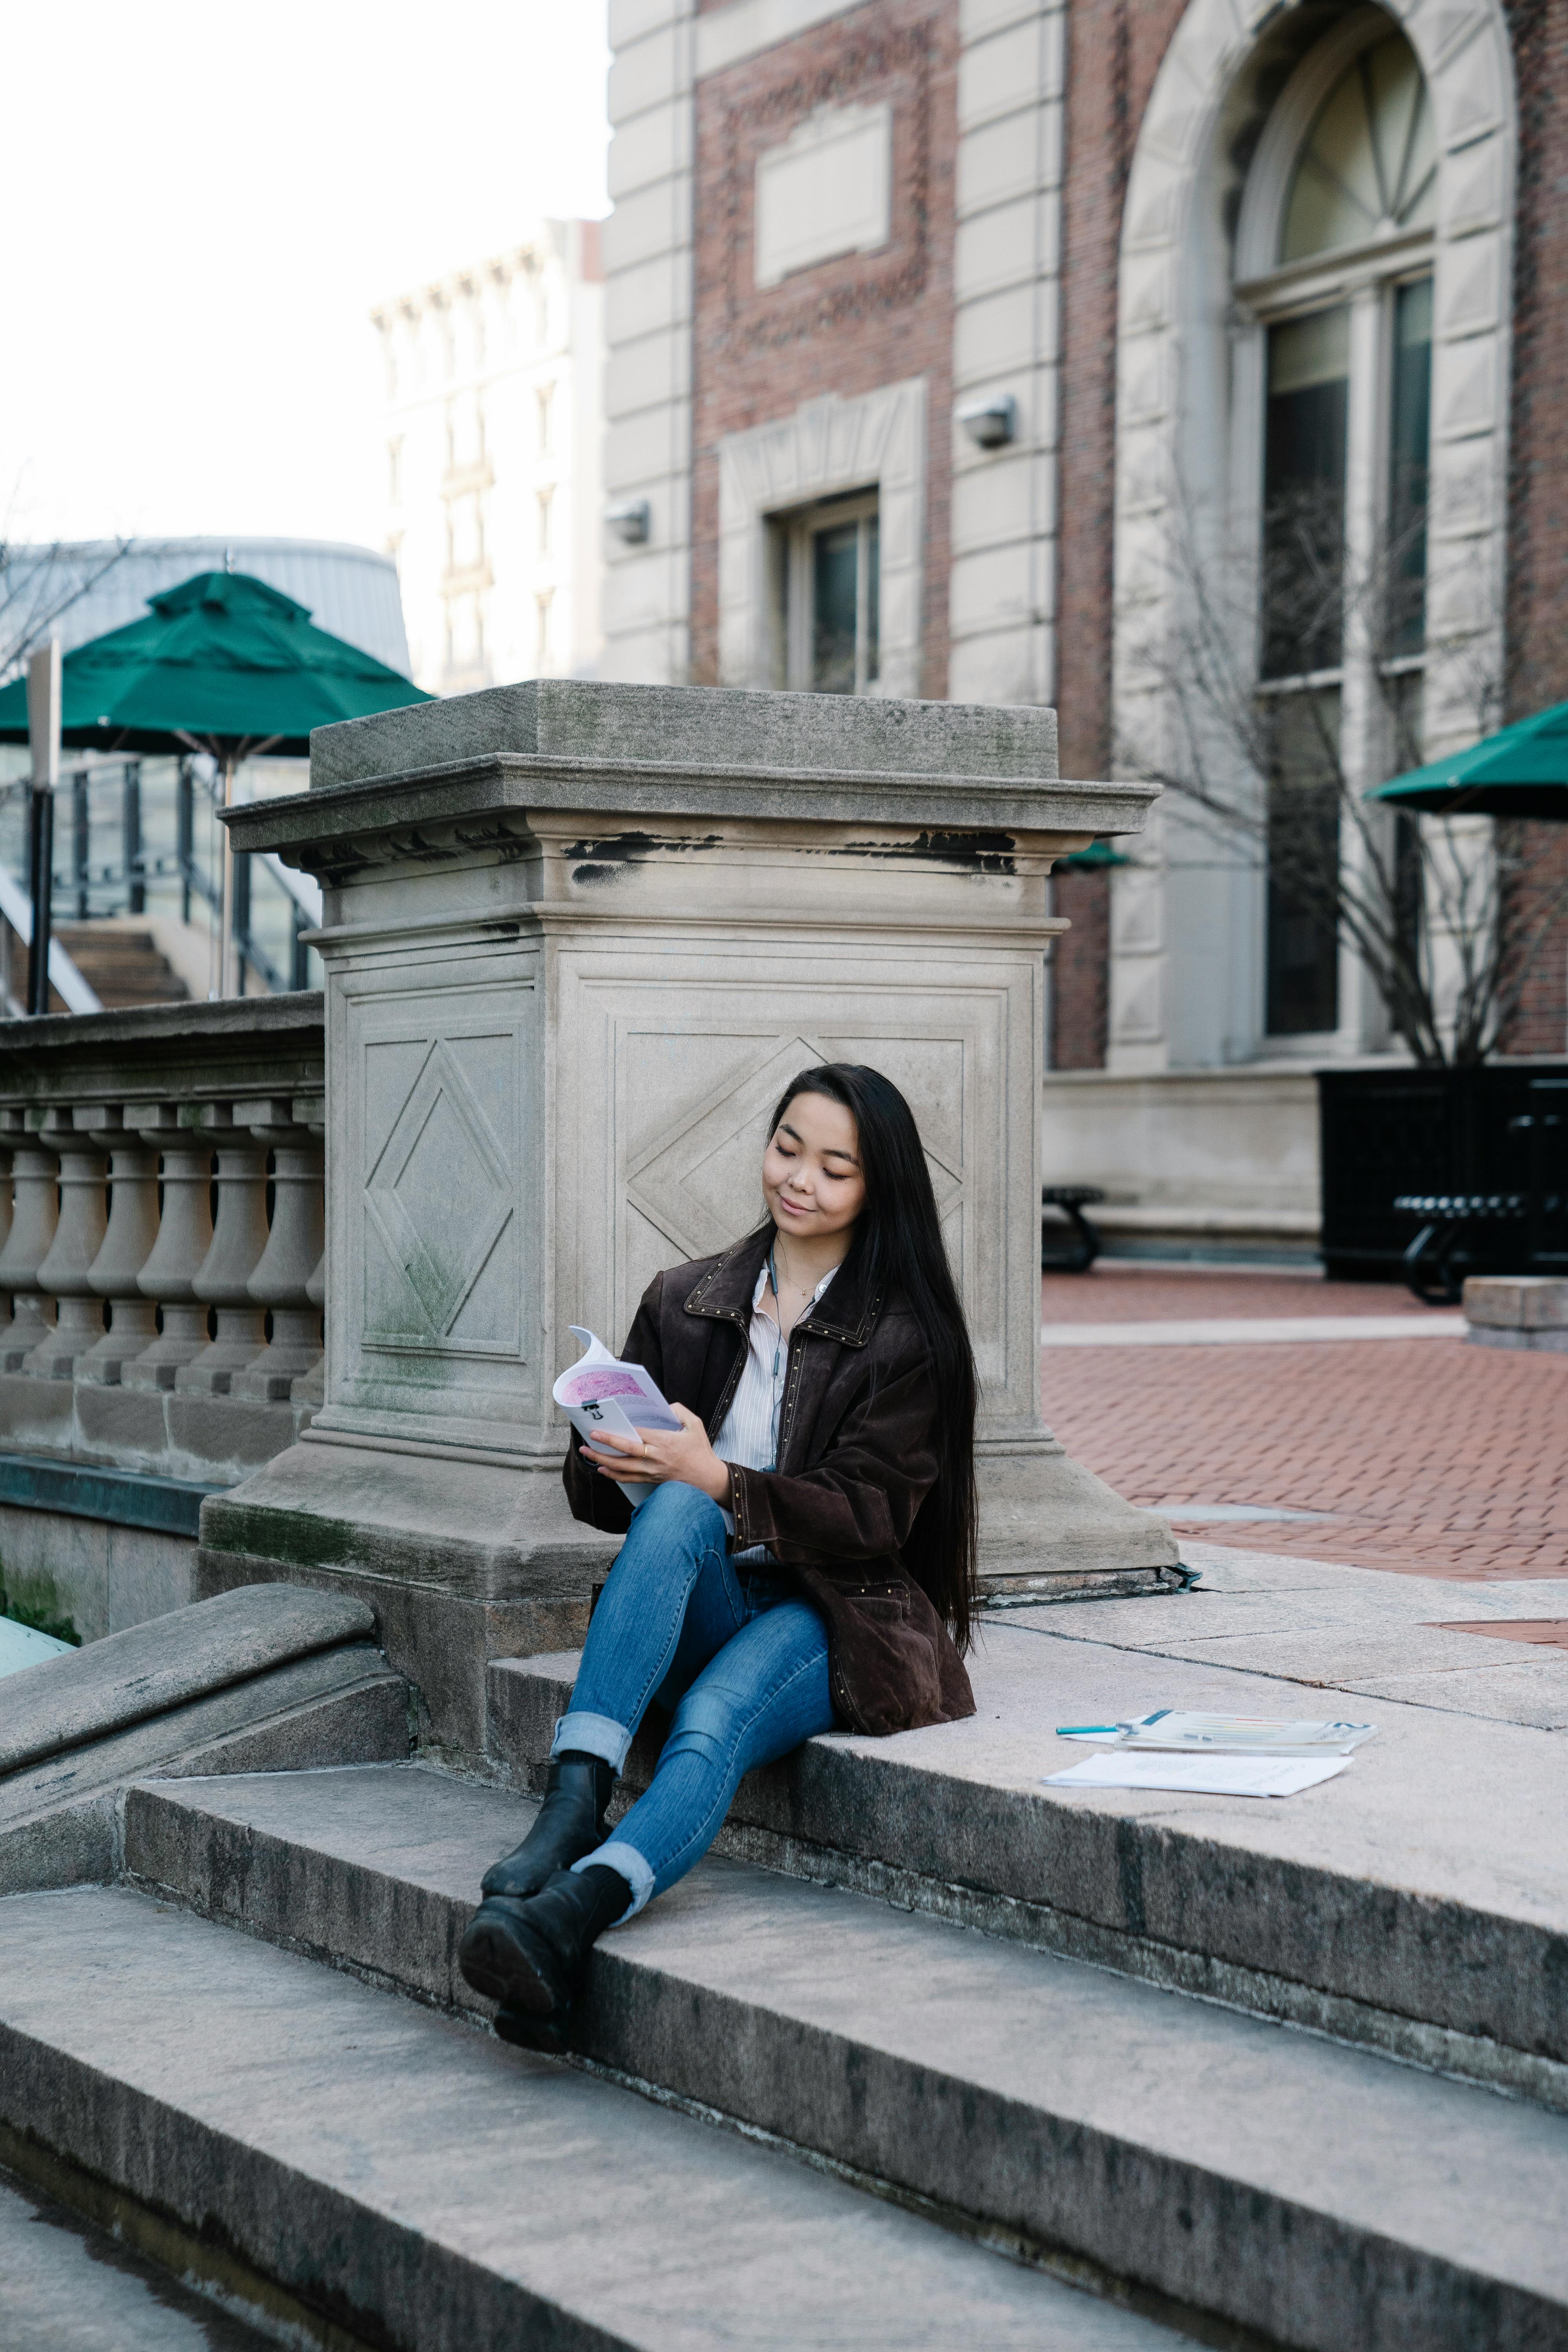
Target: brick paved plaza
x=1427, y=1455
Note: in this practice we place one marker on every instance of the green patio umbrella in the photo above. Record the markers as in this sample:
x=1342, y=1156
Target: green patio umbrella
x=1520, y=772
x=223, y=664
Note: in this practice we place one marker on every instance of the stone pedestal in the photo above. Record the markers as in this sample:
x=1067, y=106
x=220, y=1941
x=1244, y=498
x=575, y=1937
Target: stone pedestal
x=577, y=939
x=1527, y=1311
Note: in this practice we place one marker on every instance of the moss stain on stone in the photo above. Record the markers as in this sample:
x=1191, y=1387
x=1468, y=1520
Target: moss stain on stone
x=31, y=1598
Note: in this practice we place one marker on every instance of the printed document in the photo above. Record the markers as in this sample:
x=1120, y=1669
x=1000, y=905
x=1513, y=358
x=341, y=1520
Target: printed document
x=601, y=1393
x=1208, y=1776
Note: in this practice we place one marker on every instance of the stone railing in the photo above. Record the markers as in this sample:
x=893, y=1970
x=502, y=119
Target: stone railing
x=161, y=1236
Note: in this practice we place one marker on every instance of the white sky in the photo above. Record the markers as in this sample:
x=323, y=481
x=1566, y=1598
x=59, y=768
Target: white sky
x=219, y=197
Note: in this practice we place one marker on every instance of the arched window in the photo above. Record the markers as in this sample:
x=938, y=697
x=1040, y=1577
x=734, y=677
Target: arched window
x=1334, y=282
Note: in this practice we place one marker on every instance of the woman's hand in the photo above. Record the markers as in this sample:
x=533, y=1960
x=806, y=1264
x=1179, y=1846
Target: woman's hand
x=685, y=1456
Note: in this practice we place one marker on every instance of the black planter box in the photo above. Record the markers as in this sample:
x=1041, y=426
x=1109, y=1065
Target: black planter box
x=1386, y=1132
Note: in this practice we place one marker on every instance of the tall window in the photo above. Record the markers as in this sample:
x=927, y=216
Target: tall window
x=826, y=595
x=1345, y=314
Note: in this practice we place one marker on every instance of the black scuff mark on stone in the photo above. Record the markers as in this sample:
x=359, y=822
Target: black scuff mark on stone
x=626, y=848
x=977, y=853
x=591, y=876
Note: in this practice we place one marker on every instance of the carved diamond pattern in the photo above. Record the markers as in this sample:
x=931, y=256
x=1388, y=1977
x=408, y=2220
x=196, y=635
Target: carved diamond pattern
x=439, y=1194
x=698, y=1182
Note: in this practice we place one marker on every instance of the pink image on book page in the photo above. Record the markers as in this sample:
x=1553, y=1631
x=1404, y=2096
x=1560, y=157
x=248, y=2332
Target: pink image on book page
x=599, y=1381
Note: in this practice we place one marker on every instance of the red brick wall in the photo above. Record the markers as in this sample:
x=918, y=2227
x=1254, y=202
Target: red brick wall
x=1114, y=48
x=848, y=326
x=1537, y=667
x=1080, y=971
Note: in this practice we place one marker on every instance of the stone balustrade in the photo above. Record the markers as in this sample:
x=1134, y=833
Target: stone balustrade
x=146, y=1330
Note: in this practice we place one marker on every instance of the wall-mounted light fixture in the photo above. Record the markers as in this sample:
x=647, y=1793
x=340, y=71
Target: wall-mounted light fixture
x=991, y=424
x=632, y=522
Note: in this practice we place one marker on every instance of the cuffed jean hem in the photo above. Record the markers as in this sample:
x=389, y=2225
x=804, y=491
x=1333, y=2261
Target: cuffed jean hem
x=592, y=1735
x=627, y=1863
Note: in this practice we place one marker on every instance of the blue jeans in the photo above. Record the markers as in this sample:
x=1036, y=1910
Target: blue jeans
x=742, y=1663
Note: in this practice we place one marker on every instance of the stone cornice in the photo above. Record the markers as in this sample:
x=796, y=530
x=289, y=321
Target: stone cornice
x=450, y=810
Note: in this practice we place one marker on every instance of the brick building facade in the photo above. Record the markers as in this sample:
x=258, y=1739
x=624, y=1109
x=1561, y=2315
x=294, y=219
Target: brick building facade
x=952, y=341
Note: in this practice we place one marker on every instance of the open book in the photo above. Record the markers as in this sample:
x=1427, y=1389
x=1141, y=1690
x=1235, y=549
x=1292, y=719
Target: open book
x=600, y=1393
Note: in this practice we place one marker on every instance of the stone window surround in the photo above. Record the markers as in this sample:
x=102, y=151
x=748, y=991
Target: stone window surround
x=1166, y=263
x=828, y=446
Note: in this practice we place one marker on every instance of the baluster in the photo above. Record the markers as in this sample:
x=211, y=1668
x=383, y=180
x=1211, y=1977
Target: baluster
x=239, y=1237
x=79, y=1237
x=35, y=1180
x=310, y=1389
x=294, y=1249
x=126, y=1244
x=185, y=1237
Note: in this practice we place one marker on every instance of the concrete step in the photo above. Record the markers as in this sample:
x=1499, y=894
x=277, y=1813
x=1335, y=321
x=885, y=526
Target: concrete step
x=122, y=967
x=1410, y=1906
x=1310, y=2195
x=360, y=2171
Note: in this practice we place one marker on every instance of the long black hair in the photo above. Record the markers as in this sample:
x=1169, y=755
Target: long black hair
x=897, y=1250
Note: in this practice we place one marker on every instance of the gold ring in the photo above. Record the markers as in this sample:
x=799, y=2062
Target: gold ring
x=644, y=1449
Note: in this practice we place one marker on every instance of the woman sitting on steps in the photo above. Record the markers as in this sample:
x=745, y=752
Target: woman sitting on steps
x=799, y=1556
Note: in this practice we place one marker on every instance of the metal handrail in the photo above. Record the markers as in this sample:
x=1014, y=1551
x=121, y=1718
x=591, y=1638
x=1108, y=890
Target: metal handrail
x=79, y=880
x=73, y=990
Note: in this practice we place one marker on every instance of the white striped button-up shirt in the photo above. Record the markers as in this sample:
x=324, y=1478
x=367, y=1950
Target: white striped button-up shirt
x=749, y=1434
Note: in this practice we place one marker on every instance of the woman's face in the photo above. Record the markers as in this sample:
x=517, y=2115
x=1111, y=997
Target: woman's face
x=812, y=1179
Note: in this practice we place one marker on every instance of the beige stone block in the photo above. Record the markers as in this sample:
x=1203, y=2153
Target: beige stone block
x=648, y=72
x=656, y=294
x=36, y=1415
x=651, y=147
x=1017, y=67
x=220, y=1438
x=123, y=1425
x=1008, y=159
x=653, y=221
x=646, y=372
x=1517, y=1303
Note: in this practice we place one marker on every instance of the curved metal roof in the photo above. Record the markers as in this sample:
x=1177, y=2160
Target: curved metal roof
x=350, y=592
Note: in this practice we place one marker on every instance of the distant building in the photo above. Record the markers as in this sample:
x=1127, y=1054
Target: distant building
x=1194, y=369
x=494, y=475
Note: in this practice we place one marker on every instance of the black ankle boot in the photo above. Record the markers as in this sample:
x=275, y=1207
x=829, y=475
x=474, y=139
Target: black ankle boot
x=530, y=1956
x=570, y=1824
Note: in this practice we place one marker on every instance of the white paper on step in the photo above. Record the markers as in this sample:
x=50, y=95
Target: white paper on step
x=1208, y=1776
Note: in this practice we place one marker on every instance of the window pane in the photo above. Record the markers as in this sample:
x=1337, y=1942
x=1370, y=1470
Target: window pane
x=835, y=568
x=1410, y=427
x=1304, y=493
x=873, y=597
x=1369, y=163
x=1303, y=864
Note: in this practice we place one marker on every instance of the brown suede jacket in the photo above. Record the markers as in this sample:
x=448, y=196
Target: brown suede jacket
x=855, y=1462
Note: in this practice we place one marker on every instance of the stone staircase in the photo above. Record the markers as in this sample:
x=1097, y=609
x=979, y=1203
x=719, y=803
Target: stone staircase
x=122, y=966
x=971, y=2060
